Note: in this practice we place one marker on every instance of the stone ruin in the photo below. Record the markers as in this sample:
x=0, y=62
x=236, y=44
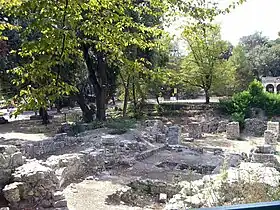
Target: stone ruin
x=265, y=153
x=34, y=186
x=37, y=184
x=174, y=135
x=28, y=185
x=254, y=127
x=233, y=130
x=195, y=130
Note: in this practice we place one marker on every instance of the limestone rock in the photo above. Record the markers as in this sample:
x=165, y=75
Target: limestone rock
x=12, y=192
x=254, y=127
x=162, y=198
x=273, y=126
x=222, y=126
x=233, y=130
x=174, y=135
x=195, y=130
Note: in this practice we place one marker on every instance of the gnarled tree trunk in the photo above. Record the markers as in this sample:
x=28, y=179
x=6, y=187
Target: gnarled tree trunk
x=98, y=78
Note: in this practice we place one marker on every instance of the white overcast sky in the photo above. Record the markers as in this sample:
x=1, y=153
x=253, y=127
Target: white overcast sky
x=251, y=16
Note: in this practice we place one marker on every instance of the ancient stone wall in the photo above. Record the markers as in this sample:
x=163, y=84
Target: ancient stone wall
x=195, y=130
x=255, y=127
x=174, y=135
x=233, y=130
x=58, y=142
x=34, y=186
x=10, y=158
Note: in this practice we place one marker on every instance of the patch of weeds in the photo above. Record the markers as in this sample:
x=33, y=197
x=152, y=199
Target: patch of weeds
x=120, y=126
x=74, y=117
x=95, y=125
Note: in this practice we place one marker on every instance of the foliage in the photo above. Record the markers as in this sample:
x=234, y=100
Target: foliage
x=240, y=104
x=203, y=65
x=120, y=126
x=101, y=34
x=243, y=74
x=262, y=55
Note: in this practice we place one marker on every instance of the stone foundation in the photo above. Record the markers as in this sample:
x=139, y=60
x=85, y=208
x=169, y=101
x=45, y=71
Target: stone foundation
x=195, y=130
x=10, y=158
x=271, y=137
x=254, y=127
x=34, y=186
x=56, y=143
x=233, y=130
x=174, y=135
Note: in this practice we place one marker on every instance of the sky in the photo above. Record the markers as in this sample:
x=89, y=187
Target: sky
x=245, y=19
x=251, y=16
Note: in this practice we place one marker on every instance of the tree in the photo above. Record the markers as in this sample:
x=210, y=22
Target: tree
x=95, y=31
x=255, y=47
x=201, y=67
x=243, y=74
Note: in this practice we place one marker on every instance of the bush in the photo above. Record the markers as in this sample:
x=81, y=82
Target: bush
x=240, y=104
x=226, y=106
x=120, y=126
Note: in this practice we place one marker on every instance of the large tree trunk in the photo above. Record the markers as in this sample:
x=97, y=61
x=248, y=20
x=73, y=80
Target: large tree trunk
x=207, y=96
x=44, y=114
x=101, y=105
x=98, y=78
x=87, y=112
x=101, y=96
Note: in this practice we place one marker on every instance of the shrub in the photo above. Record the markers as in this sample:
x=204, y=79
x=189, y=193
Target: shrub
x=120, y=126
x=226, y=106
x=240, y=104
x=255, y=88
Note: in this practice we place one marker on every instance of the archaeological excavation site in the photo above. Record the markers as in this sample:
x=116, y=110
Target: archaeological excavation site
x=193, y=161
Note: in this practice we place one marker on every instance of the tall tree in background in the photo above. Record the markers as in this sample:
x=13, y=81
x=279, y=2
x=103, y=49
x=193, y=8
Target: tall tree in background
x=201, y=67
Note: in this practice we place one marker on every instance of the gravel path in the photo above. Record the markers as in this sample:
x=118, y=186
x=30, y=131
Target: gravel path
x=91, y=195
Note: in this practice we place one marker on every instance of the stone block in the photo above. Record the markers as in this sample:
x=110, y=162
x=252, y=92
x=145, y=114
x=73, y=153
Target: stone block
x=59, y=204
x=161, y=138
x=16, y=160
x=270, y=137
x=263, y=158
x=174, y=135
x=265, y=149
x=162, y=198
x=109, y=140
x=195, y=130
x=12, y=192
x=233, y=130
x=222, y=126
x=273, y=126
x=254, y=127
